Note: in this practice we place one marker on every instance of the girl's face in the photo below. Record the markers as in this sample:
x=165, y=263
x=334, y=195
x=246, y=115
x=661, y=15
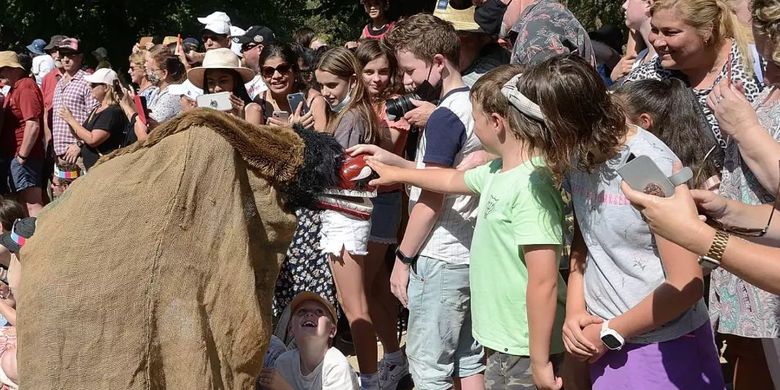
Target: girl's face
x=278, y=75
x=637, y=13
x=376, y=75
x=374, y=8
x=484, y=127
x=678, y=44
x=334, y=88
x=220, y=80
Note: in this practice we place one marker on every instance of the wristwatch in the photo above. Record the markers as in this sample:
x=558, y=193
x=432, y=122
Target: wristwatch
x=712, y=259
x=610, y=337
x=404, y=258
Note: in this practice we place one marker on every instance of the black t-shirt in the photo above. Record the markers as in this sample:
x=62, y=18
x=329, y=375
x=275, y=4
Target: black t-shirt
x=113, y=120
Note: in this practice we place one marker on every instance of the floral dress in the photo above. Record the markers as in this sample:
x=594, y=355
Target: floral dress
x=306, y=267
x=736, y=306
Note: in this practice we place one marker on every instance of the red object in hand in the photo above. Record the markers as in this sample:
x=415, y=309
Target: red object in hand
x=355, y=175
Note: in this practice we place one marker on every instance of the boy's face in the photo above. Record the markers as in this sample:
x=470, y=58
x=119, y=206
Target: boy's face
x=416, y=71
x=374, y=8
x=312, y=320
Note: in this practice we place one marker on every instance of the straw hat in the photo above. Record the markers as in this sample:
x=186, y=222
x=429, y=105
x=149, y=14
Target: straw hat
x=8, y=59
x=461, y=19
x=222, y=58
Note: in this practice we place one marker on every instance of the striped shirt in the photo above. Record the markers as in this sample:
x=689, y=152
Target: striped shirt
x=76, y=95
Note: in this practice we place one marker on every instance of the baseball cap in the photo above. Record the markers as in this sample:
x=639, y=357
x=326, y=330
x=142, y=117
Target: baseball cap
x=235, y=46
x=100, y=53
x=54, y=42
x=257, y=34
x=71, y=44
x=217, y=22
x=191, y=43
x=169, y=40
x=37, y=46
x=185, y=89
x=21, y=231
x=306, y=296
x=101, y=76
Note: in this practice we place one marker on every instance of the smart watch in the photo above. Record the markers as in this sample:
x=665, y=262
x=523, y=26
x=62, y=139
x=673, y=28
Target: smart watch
x=611, y=338
x=404, y=258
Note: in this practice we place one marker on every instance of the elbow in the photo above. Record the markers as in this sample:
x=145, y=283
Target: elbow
x=689, y=293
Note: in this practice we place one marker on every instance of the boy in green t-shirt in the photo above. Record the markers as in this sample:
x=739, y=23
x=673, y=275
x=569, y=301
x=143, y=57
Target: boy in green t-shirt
x=517, y=293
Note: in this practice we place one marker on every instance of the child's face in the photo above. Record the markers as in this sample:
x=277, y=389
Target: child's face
x=374, y=8
x=334, y=88
x=415, y=70
x=312, y=320
x=484, y=127
x=376, y=75
x=58, y=186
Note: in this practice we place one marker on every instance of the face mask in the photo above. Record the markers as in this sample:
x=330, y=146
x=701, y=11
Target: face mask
x=343, y=103
x=426, y=91
x=153, y=78
x=489, y=16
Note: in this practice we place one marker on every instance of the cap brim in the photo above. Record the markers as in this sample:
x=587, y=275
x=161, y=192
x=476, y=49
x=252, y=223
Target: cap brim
x=310, y=296
x=8, y=243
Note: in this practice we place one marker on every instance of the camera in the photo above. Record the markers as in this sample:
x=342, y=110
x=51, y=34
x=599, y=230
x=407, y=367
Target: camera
x=396, y=108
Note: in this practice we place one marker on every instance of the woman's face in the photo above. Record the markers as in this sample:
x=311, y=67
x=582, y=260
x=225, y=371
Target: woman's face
x=153, y=71
x=137, y=73
x=278, y=75
x=637, y=13
x=376, y=75
x=307, y=73
x=678, y=44
x=334, y=88
x=220, y=80
x=99, y=91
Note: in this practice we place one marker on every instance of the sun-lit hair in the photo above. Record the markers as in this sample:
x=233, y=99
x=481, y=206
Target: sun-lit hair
x=343, y=64
x=138, y=59
x=714, y=21
x=766, y=18
x=371, y=49
x=425, y=35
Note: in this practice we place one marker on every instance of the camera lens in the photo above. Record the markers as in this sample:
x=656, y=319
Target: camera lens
x=396, y=108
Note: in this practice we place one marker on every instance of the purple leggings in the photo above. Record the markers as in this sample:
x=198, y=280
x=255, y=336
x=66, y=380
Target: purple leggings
x=690, y=362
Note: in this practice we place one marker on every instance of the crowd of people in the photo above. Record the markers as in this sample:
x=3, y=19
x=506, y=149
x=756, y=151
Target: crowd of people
x=501, y=239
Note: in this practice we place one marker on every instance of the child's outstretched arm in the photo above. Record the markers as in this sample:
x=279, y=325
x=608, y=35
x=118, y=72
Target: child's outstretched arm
x=443, y=181
x=541, y=301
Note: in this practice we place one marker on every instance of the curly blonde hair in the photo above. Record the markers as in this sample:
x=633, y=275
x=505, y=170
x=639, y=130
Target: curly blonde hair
x=714, y=20
x=766, y=18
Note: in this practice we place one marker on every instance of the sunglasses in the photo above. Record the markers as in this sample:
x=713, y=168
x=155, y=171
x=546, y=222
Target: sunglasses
x=751, y=232
x=213, y=37
x=248, y=47
x=93, y=85
x=269, y=71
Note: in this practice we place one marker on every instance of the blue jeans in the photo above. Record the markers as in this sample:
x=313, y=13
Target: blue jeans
x=439, y=342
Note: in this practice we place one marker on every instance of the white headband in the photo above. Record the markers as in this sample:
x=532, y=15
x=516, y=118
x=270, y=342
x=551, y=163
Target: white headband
x=519, y=101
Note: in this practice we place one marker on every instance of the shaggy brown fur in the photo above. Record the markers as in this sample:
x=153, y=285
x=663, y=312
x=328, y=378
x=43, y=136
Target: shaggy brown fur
x=275, y=153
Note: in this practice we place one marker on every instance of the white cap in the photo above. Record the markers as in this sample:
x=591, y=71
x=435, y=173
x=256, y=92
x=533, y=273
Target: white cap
x=186, y=88
x=101, y=76
x=235, y=46
x=218, y=22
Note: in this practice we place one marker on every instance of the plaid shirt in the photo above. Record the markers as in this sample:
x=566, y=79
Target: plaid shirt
x=76, y=95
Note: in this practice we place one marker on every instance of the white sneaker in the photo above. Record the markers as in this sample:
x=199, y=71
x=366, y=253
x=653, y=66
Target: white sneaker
x=390, y=375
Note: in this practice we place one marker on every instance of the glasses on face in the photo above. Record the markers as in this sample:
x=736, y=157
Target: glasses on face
x=212, y=37
x=248, y=47
x=69, y=54
x=269, y=71
x=93, y=85
x=754, y=232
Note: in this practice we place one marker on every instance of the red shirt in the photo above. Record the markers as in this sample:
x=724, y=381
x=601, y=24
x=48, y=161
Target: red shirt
x=48, y=86
x=23, y=103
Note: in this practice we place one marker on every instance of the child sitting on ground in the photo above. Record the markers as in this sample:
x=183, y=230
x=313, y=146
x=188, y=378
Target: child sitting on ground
x=316, y=364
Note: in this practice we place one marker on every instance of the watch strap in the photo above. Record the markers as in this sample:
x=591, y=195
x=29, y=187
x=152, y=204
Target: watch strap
x=404, y=258
x=718, y=246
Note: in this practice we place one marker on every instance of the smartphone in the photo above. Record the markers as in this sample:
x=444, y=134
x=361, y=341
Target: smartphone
x=217, y=101
x=642, y=174
x=295, y=99
x=283, y=116
x=141, y=108
x=145, y=41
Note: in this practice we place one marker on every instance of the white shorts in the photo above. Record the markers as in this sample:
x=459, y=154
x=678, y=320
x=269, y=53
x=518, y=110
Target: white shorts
x=340, y=231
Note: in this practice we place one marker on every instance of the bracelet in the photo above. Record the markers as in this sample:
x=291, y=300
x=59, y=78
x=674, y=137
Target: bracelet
x=132, y=117
x=22, y=157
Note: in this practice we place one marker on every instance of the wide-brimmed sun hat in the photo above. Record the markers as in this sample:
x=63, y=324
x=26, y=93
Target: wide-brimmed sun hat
x=222, y=58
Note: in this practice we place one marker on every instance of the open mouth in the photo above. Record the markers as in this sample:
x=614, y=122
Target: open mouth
x=308, y=324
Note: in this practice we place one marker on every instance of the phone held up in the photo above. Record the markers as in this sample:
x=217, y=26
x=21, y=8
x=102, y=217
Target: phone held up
x=218, y=101
x=642, y=174
x=296, y=99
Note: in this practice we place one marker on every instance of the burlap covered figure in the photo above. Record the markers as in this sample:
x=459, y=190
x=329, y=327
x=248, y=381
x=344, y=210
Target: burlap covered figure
x=156, y=270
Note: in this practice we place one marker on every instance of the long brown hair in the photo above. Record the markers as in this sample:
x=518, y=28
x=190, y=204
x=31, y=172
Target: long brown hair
x=583, y=127
x=343, y=64
x=371, y=49
x=168, y=61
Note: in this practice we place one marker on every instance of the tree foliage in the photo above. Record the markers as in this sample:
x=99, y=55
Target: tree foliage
x=117, y=24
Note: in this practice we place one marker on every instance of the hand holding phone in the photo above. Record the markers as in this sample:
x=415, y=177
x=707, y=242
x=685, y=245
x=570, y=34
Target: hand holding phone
x=281, y=116
x=296, y=99
x=217, y=101
x=642, y=174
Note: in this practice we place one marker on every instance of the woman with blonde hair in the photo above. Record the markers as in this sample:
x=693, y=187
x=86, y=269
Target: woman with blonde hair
x=702, y=42
x=137, y=72
x=103, y=131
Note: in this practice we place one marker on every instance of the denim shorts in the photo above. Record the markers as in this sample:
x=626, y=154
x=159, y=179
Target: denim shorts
x=439, y=342
x=386, y=217
x=21, y=177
